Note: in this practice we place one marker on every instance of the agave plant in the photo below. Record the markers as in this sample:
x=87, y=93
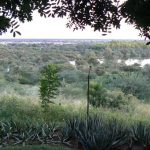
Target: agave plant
x=24, y=136
x=3, y=133
x=141, y=134
x=7, y=130
x=44, y=133
x=69, y=131
x=97, y=134
x=13, y=134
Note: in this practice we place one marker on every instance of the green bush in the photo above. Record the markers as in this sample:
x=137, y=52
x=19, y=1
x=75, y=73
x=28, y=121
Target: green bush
x=20, y=109
x=71, y=91
x=97, y=94
x=100, y=96
x=71, y=76
x=117, y=99
x=28, y=77
x=49, y=84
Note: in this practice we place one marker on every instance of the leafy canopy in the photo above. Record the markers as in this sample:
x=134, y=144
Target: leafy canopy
x=101, y=15
x=49, y=84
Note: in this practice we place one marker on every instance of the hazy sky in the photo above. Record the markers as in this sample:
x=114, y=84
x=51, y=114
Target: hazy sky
x=56, y=28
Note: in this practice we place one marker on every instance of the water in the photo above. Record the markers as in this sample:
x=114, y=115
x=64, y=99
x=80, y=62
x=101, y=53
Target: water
x=73, y=63
x=58, y=41
x=128, y=62
x=54, y=41
x=142, y=62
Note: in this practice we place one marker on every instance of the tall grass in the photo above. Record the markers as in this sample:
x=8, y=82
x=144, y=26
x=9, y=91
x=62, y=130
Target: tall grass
x=25, y=109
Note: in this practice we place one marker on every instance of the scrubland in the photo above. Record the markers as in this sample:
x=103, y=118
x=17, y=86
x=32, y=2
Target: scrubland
x=119, y=98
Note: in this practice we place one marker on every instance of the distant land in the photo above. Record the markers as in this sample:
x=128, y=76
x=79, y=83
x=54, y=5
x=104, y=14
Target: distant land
x=60, y=41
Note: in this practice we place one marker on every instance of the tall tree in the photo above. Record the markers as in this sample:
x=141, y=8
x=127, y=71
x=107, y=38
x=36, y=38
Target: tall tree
x=49, y=84
x=137, y=12
x=101, y=15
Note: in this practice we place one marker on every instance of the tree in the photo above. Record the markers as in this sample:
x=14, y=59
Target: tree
x=101, y=15
x=137, y=13
x=97, y=95
x=49, y=84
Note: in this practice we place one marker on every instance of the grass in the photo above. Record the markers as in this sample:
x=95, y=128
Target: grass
x=24, y=106
x=35, y=147
x=25, y=109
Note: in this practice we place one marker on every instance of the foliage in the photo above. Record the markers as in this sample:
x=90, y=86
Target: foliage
x=97, y=94
x=27, y=109
x=100, y=96
x=49, y=84
x=100, y=15
x=117, y=99
x=35, y=147
x=79, y=14
x=28, y=77
x=19, y=108
x=24, y=124
x=131, y=83
x=141, y=133
x=26, y=61
x=74, y=76
x=13, y=133
x=98, y=133
x=139, y=15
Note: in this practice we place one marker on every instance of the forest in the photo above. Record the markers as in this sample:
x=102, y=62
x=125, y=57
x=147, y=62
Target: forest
x=119, y=96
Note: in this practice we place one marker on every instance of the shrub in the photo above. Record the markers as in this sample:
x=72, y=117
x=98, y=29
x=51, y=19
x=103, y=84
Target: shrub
x=27, y=77
x=97, y=133
x=100, y=70
x=116, y=99
x=100, y=96
x=71, y=76
x=97, y=94
x=49, y=84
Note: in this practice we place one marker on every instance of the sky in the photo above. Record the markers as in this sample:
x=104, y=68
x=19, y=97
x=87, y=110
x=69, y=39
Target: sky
x=50, y=28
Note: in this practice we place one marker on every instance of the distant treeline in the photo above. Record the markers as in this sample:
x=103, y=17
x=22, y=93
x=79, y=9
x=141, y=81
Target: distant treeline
x=21, y=63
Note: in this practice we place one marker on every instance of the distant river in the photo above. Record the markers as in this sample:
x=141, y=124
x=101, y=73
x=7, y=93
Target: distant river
x=130, y=62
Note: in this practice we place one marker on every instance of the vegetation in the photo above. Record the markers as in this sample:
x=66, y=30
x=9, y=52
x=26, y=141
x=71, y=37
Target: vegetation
x=44, y=147
x=119, y=95
x=100, y=15
x=48, y=85
x=97, y=94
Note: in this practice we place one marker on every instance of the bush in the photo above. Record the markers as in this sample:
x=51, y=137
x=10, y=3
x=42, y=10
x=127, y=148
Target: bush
x=100, y=96
x=71, y=76
x=97, y=94
x=100, y=70
x=49, y=84
x=116, y=99
x=19, y=109
x=27, y=77
x=71, y=91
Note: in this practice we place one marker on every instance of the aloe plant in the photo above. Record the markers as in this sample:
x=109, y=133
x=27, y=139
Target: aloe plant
x=13, y=134
x=69, y=131
x=141, y=134
x=98, y=134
